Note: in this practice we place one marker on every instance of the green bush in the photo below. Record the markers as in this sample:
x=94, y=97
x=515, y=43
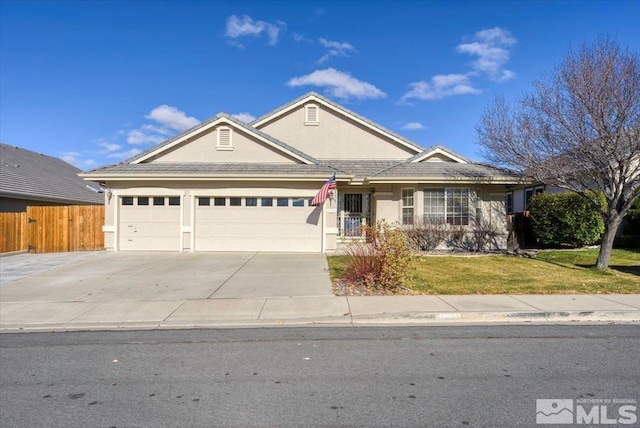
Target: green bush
x=383, y=261
x=564, y=219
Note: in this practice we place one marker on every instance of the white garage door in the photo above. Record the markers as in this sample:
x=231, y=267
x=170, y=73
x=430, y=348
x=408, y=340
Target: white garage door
x=282, y=224
x=149, y=223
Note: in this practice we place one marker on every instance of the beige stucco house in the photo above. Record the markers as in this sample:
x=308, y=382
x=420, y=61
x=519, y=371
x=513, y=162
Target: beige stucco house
x=226, y=185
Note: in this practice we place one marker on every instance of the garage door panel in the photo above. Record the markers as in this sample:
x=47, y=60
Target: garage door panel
x=149, y=228
x=256, y=228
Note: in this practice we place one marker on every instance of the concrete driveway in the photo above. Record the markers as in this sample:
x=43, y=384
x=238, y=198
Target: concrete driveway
x=129, y=276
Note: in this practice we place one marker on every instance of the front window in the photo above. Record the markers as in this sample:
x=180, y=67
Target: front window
x=457, y=206
x=509, y=202
x=407, y=206
x=449, y=205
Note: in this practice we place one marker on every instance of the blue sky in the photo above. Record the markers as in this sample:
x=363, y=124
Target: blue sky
x=96, y=82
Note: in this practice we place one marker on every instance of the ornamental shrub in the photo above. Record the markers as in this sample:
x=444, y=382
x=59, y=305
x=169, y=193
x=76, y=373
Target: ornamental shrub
x=382, y=261
x=564, y=219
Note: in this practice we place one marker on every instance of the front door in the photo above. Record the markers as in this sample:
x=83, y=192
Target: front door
x=354, y=209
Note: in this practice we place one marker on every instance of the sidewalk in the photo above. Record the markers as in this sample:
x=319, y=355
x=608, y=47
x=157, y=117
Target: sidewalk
x=317, y=310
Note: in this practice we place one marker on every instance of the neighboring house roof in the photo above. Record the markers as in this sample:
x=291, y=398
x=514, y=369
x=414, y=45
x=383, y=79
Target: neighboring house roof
x=227, y=118
x=313, y=96
x=29, y=175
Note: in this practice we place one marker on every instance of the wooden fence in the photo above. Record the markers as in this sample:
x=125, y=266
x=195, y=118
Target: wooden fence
x=53, y=229
x=520, y=231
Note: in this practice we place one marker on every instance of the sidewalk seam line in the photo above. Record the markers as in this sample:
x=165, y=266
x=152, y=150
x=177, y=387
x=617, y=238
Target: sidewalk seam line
x=262, y=308
x=173, y=311
x=529, y=304
x=447, y=303
x=603, y=297
x=350, y=312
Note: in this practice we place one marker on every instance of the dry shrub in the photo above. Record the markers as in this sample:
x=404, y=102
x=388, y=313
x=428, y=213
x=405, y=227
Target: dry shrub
x=382, y=261
x=426, y=235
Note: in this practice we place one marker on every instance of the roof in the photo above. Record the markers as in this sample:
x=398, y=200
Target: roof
x=414, y=168
x=227, y=118
x=445, y=171
x=310, y=95
x=360, y=168
x=214, y=170
x=29, y=175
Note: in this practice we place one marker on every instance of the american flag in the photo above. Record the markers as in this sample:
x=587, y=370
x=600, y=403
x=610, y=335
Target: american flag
x=324, y=191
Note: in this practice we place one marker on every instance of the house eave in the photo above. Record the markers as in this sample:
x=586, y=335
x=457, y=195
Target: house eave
x=209, y=177
x=434, y=180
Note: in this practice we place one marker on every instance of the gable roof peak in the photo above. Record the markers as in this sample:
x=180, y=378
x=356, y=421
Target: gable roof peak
x=439, y=149
x=279, y=111
x=221, y=117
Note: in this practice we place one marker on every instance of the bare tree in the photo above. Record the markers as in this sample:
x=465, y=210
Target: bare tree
x=579, y=129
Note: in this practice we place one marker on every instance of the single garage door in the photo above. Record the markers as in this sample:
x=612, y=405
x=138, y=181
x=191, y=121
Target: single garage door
x=282, y=224
x=149, y=223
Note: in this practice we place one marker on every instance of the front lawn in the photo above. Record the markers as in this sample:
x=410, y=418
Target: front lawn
x=550, y=272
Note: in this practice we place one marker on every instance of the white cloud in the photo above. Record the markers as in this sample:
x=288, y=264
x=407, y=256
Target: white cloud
x=109, y=147
x=335, y=49
x=298, y=37
x=338, y=84
x=491, y=47
x=246, y=26
x=244, y=116
x=172, y=118
x=138, y=137
x=440, y=86
x=74, y=158
x=412, y=126
x=168, y=120
x=125, y=155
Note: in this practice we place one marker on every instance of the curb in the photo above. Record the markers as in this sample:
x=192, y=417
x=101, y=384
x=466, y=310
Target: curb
x=398, y=319
x=504, y=317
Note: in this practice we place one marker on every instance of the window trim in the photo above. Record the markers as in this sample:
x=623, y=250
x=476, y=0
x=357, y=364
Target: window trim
x=406, y=207
x=219, y=145
x=447, y=204
x=307, y=120
x=508, y=202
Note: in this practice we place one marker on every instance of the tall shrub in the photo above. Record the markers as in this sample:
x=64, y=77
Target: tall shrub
x=564, y=219
x=382, y=261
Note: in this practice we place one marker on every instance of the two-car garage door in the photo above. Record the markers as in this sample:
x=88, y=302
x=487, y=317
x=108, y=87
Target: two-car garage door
x=257, y=224
x=286, y=224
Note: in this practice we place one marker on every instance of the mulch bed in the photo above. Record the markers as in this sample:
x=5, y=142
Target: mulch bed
x=343, y=288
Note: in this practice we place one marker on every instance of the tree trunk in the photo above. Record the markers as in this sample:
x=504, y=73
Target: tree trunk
x=607, y=242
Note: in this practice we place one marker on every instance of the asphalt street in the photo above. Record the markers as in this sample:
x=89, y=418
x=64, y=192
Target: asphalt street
x=407, y=376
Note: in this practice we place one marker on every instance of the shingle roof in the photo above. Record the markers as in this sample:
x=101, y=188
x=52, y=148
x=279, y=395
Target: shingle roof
x=215, y=169
x=29, y=175
x=446, y=170
x=361, y=168
x=342, y=108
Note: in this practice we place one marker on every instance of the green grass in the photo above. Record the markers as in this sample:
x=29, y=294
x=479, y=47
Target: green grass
x=551, y=272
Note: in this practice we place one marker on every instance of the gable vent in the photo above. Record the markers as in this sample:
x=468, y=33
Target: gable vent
x=311, y=114
x=224, y=139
